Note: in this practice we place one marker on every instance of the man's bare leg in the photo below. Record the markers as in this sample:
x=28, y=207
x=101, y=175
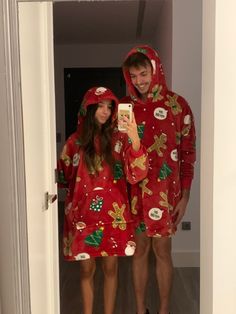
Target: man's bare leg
x=164, y=271
x=87, y=270
x=140, y=270
x=110, y=269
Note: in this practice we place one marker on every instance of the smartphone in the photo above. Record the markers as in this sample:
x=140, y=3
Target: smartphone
x=124, y=110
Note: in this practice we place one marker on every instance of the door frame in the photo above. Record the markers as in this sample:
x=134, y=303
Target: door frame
x=18, y=210
x=18, y=254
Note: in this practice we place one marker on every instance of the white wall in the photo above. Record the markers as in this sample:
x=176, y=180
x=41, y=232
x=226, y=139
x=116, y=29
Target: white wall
x=218, y=184
x=14, y=289
x=38, y=108
x=186, y=81
x=163, y=39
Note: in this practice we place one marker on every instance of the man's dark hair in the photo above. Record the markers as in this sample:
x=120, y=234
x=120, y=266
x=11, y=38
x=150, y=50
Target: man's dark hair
x=136, y=60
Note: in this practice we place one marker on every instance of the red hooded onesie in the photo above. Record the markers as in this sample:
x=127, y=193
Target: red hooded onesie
x=166, y=128
x=97, y=219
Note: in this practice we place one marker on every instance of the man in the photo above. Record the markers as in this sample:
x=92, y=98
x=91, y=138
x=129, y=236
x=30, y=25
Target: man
x=166, y=128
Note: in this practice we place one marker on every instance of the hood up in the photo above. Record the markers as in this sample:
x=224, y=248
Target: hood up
x=158, y=85
x=92, y=97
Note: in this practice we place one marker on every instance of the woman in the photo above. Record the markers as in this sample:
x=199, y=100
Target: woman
x=95, y=165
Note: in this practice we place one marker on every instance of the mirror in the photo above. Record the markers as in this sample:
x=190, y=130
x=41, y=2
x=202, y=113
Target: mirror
x=98, y=42
x=107, y=52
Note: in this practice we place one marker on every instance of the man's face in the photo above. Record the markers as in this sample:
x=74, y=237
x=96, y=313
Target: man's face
x=141, y=78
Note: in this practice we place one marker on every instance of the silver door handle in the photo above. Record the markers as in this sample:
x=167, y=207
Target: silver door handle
x=49, y=199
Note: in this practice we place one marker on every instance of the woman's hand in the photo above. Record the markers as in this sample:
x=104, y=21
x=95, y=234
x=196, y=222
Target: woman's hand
x=130, y=127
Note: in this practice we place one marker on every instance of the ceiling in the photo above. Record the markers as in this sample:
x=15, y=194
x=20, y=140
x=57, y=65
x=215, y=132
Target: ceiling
x=105, y=22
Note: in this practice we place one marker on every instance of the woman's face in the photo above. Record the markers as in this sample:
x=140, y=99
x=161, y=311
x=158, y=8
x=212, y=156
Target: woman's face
x=103, y=111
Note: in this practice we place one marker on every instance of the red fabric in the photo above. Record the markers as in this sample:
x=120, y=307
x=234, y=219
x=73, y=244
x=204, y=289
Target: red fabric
x=93, y=96
x=98, y=221
x=169, y=136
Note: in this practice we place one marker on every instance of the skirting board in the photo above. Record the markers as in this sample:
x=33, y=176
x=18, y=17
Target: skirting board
x=186, y=258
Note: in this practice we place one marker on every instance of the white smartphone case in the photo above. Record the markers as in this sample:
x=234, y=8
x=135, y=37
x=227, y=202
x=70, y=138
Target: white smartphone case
x=124, y=109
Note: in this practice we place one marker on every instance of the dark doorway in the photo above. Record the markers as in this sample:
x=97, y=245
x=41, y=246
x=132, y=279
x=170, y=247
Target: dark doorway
x=78, y=80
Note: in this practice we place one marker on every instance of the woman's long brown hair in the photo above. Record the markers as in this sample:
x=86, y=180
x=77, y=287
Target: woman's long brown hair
x=91, y=130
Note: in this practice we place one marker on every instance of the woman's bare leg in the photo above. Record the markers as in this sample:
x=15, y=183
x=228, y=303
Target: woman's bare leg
x=110, y=270
x=87, y=271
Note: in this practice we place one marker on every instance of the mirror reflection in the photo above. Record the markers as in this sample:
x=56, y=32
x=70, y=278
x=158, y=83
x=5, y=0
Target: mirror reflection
x=91, y=41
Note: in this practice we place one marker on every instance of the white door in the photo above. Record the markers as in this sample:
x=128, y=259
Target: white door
x=37, y=82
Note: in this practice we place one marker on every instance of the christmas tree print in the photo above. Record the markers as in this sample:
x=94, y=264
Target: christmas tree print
x=118, y=171
x=96, y=204
x=141, y=228
x=141, y=130
x=95, y=238
x=165, y=171
x=61, y=178
x=142, y=50
x=78, y=141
